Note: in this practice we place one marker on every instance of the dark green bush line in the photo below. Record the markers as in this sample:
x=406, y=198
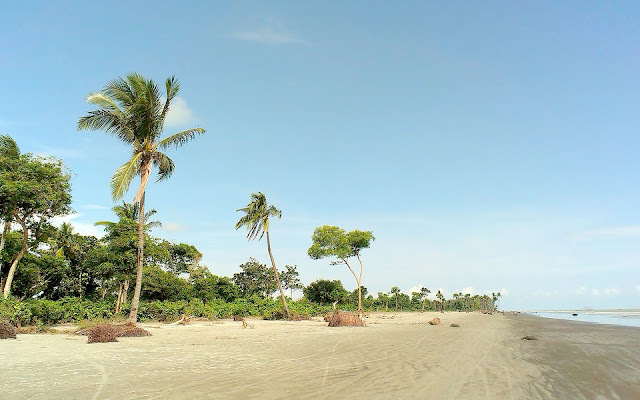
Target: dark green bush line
x=47, y=312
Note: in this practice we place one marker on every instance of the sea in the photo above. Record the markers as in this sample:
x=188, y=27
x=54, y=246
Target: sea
x=610, y=317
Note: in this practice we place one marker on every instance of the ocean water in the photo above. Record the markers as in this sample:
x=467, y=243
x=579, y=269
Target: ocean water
x=625, y=318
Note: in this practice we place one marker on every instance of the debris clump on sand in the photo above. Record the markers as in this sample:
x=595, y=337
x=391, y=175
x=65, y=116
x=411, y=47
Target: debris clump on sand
x=529, y=337
x=340, y=318
x=109, y=333
x=435, y=321
x=454, y=325
x=238, y=318
x=7, y=331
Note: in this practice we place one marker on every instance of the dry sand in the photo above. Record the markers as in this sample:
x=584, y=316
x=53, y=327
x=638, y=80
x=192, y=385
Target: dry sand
x=396, y=356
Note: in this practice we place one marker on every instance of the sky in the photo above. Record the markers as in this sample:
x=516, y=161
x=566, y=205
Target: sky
x=489, y=146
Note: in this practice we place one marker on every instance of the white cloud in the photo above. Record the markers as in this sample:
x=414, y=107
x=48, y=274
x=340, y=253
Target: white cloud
x=83, y=228
x=580, y=291
x=94, y=207
x=638, y=288
x=595, y=292
x=271, y=35
x=174, y=227
x=610, y=291
x=468, y=290
x=179, y=113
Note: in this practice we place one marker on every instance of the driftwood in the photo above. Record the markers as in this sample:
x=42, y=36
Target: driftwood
x=435, y=321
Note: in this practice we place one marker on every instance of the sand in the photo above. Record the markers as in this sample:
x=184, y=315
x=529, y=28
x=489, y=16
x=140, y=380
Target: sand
x=395, y=356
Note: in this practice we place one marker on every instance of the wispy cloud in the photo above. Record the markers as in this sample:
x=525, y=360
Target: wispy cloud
x=610, y=232
x=271, y=32
x=179, y=113
x=583, y=290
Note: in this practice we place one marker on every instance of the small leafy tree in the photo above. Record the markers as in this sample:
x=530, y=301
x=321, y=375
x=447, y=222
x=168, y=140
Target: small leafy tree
x=290, y=279
x=323, y=291
x=332, y=241
x=255, y=278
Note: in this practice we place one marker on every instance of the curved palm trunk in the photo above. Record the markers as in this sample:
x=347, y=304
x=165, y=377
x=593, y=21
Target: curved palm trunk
x=275, y=271
x=135, y=302
x=14, y=264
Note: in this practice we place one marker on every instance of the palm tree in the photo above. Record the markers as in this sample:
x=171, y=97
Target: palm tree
x=441, y=298
x=424, y=292
x=133, y=110
x=394, y=291
x=256, y=219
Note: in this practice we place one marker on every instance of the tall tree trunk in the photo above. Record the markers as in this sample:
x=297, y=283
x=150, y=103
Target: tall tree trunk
x=360, y=310
x=125, y=292
x=357, y=282
x=275, y=271
x=119, y=299
x=135, y=302
x=16, y=259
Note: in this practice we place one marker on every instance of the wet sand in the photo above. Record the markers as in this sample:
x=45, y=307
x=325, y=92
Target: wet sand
x=395, y=356
x=581, y=360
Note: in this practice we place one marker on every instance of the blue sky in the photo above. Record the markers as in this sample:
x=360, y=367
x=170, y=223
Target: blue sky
x=488, y=146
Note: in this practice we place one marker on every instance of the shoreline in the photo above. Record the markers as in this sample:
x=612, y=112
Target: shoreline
x=398, y=355
x=581, y=360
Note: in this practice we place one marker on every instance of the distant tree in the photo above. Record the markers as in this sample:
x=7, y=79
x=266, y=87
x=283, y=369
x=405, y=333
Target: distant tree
x=207, y=286
x=134, y=110
x=332, y=241
x=440, y=298
x=424, y=293
x=395, y=291
x=255, y=278
x=467, y=301
x=256, y=220
x=290, y=279
x=323, y=291
x=496, y=298
x=35, y=189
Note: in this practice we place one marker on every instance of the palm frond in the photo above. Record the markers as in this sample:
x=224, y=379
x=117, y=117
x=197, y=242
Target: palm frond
x=180, y=139
x=164, y=164
x=122, y=178
x=108, y=121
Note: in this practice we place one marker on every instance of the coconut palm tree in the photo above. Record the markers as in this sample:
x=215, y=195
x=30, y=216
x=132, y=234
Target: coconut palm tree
x=441, y=301
x=394, y=291
x=256, y=219
x=424, y=292
x=133, y=110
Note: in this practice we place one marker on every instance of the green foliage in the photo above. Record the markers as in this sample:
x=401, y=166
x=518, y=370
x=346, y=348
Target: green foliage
x=255, y=278
x=323, y=291
x=332, y=241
